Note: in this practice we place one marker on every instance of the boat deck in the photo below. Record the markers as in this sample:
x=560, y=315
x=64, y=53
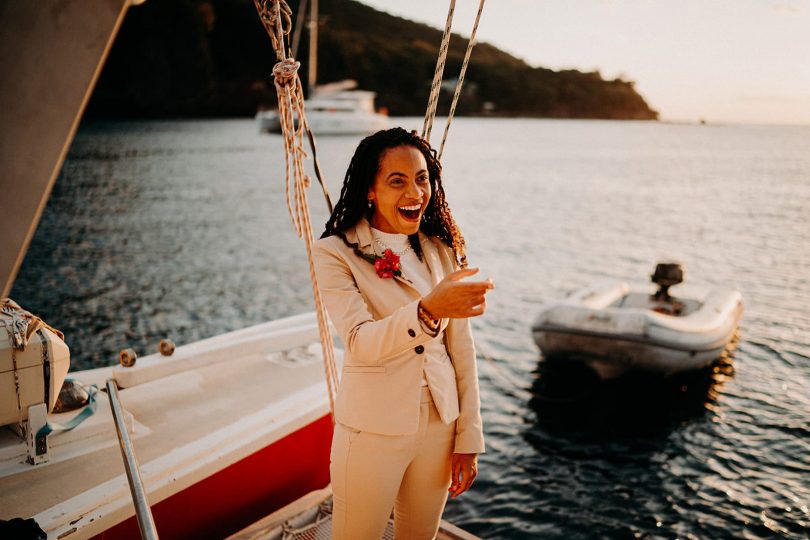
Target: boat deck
x=185, y=427
x=270, y=527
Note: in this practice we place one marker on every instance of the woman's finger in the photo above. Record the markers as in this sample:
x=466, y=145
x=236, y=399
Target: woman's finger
x=467, y=484
x=461, y=274
x=472, y=311
x=455, y=481
x=473, y=286
x=468, y=475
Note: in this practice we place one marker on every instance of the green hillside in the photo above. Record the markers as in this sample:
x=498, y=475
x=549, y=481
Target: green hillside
x=184, y=58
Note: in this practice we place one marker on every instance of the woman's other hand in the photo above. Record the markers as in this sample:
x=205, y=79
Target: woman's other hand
x=456, y=299
x=464, y=469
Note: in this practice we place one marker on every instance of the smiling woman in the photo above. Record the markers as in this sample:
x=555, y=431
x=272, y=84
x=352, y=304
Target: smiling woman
x=408, y=422
x=401, y=191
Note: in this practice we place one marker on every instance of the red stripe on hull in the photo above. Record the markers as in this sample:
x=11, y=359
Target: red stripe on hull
x=243, y=493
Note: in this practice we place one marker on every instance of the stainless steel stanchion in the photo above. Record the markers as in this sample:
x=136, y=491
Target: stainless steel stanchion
x=144, y=514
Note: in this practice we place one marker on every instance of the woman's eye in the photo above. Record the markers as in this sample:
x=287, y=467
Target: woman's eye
x=423, y=179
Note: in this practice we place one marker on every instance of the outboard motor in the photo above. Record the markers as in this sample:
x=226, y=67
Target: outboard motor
x=666, y=275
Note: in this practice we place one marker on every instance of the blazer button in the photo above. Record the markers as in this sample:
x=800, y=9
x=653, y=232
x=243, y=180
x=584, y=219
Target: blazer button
x=419, y=349
x=411, y=332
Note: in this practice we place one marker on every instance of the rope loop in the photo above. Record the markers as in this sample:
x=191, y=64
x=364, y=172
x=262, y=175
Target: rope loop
x=285, y=72
x=276, y=16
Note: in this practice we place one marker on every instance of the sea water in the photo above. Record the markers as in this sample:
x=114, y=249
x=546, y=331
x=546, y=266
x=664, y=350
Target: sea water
x=180, y=229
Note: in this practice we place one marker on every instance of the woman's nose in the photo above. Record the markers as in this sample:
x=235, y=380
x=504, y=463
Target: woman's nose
x=414, y=191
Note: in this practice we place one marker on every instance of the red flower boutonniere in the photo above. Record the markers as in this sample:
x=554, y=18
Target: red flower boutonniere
x=388, y=265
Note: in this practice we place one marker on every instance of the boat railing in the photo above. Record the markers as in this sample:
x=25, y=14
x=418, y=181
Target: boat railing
x=263, y=339
x=146, y=522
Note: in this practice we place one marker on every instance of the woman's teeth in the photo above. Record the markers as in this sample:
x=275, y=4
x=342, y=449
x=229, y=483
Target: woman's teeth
x=411, y=212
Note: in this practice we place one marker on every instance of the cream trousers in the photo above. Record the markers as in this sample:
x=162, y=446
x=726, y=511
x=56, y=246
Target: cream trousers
x=372, y=473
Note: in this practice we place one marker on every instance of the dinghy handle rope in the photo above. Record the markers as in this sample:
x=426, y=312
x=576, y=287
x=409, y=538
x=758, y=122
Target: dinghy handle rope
x=276, y=18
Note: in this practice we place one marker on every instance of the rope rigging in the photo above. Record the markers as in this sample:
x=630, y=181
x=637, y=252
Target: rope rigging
x=460, y=81
x=433, y=99
x=435, y=88
x=276, y=18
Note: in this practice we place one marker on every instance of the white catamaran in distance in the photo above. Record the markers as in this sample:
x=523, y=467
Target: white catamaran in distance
x=332, y=109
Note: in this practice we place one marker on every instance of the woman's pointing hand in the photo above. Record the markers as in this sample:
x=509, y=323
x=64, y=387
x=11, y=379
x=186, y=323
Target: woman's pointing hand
x=456, y=299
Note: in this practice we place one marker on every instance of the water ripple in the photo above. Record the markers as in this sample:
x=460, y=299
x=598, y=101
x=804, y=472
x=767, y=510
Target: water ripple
x=180, y=229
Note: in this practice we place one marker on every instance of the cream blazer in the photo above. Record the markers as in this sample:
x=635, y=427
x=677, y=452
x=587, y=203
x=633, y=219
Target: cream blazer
x=384, y=358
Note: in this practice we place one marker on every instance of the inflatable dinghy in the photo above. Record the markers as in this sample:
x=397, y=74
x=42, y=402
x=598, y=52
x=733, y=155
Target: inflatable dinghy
x=615, y=327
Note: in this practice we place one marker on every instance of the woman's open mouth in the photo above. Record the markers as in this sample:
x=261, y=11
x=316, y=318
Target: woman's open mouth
x=411, y=213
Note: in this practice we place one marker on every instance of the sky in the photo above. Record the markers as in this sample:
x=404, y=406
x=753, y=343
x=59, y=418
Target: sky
x=735, y=61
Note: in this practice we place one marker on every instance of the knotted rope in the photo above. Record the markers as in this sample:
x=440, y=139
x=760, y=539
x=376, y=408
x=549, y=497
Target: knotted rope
x=276, y=17
x=20, y=326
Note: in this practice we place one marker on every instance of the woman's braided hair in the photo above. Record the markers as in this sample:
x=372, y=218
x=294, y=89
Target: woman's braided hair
x=437, y=219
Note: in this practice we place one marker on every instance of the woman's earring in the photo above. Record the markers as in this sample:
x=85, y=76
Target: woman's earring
x=370, y=204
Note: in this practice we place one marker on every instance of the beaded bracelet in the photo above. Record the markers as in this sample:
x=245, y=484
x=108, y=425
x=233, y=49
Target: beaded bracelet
x=427, y=318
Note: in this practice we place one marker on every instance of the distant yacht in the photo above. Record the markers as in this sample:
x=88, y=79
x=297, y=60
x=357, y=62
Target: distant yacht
x=334, y=109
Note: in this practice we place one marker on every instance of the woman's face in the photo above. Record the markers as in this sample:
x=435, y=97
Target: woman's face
x=401, y=191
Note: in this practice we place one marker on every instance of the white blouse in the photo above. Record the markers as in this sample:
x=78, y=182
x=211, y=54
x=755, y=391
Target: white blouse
x=418, y=273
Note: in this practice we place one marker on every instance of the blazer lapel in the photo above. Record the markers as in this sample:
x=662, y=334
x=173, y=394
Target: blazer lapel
x=361, y=234
x=431, y=256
